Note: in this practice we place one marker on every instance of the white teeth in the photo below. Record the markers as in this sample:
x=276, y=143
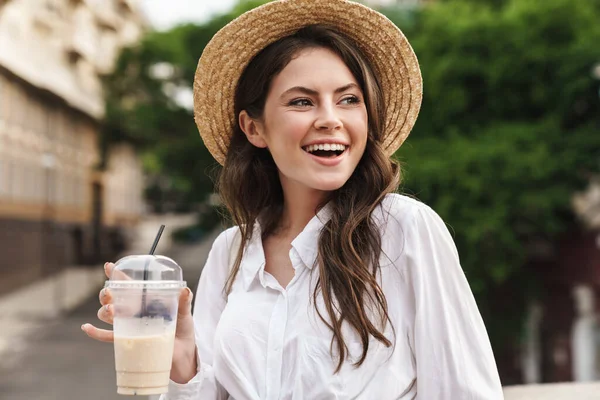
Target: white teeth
x=326, y=147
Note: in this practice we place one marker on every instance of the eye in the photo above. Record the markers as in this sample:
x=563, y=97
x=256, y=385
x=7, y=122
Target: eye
x=350, y=100
x=300, y=103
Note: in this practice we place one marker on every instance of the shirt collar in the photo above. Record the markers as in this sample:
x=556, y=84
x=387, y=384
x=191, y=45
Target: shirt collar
x=305, y=244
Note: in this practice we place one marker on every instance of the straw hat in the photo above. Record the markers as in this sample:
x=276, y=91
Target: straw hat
x=233, y=47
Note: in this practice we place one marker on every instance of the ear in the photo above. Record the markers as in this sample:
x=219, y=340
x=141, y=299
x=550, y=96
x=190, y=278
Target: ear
x=253, y=129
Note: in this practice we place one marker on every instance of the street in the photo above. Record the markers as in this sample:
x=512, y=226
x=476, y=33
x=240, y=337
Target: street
x=57, y=361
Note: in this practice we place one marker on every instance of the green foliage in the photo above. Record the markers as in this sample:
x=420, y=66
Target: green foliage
x=141, y=109
x=508, y=129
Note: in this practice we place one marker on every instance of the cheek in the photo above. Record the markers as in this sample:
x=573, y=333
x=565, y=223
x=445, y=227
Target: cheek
x=287, y=132
x=360, y=131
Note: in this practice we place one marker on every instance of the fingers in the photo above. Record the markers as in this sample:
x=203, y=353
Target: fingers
x=102, y=335
x=119, y=276
x=106, y=314
x=108, y=267
x=105, y=296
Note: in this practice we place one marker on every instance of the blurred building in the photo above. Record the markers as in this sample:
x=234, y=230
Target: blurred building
x=57, y=208
x=561, y=340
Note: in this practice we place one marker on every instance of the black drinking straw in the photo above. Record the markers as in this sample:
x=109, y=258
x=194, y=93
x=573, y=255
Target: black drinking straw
x=160, y=231
x=156, y=239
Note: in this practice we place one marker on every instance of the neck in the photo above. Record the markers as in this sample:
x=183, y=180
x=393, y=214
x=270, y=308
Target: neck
x=299, y=207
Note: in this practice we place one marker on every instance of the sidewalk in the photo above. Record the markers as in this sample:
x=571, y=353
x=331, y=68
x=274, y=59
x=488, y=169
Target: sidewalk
x=556, y=391
x=44, y=355
x=42, y=302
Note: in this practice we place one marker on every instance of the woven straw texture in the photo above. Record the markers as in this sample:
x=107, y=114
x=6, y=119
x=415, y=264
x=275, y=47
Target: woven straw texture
x=233, y=47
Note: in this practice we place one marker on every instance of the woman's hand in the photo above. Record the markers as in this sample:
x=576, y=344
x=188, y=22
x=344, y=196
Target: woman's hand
x=184, y=364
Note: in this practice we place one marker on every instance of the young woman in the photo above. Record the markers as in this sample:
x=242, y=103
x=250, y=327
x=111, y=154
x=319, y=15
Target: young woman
x=330, y=286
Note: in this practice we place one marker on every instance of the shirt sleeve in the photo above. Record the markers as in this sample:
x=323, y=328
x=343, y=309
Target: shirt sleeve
x=210, y=300
x=454, y=358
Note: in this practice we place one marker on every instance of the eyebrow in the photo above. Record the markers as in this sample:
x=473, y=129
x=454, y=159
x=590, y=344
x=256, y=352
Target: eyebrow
x=312, y=92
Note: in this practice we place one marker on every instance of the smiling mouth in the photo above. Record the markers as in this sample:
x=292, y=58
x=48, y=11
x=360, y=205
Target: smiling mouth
x=325, y=150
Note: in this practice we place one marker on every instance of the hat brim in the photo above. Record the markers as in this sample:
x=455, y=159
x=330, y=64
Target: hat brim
x=226, y=56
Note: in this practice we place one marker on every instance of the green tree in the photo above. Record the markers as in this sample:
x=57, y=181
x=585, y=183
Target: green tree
x=141, y=108
x=508, y=131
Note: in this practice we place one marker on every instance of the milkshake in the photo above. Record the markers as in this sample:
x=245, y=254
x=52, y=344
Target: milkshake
x=143, y=363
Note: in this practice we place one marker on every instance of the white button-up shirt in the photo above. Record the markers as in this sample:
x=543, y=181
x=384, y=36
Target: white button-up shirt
x=264, y=341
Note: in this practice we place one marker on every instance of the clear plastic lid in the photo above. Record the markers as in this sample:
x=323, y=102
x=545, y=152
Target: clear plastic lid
x=146, y=271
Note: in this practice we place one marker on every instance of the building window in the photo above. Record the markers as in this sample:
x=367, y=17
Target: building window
x=28, y=184
x=35, y=116
x=16, y=191
x=8, y=94
x=37, y=182
x=51, y=123
x=19, y=107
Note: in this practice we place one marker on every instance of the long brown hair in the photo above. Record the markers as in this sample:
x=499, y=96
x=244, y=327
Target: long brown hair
x=350, y=242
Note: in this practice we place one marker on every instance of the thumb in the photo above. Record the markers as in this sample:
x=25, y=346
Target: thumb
x=185, y=323
x=185, y=303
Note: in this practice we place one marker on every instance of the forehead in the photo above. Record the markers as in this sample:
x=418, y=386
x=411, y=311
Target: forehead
x=314, y=68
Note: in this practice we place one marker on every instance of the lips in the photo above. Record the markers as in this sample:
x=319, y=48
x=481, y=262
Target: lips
x=327, y=158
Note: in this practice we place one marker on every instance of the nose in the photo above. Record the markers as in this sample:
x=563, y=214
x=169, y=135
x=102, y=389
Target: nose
x=327, y=119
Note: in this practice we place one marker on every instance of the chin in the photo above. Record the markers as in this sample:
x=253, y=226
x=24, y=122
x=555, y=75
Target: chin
x=329, y=186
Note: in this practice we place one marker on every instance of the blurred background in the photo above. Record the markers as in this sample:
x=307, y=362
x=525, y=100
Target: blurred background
x=98, y=147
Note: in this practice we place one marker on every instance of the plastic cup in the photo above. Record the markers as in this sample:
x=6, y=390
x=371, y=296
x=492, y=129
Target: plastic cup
x=145, y=290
